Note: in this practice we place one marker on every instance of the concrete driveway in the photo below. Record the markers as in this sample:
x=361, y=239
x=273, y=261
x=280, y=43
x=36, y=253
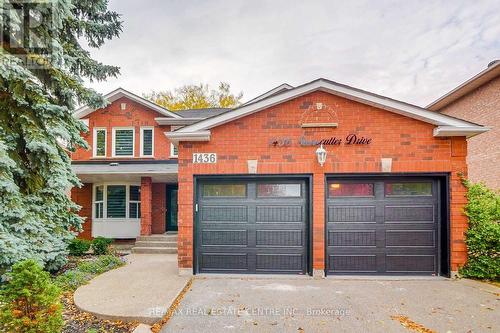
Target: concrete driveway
x=307, y=305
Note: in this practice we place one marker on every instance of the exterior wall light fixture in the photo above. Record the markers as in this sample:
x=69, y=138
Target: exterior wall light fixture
x=321, y=155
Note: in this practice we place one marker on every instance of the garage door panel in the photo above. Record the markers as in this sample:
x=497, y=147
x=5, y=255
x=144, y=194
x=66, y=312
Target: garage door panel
x=277, y=262
x=224, y=261
x=358, y=238
x=384, y=234
x=274, y=238
x=217, y=237
x=410, y=263
x=410, y=238
x=407, y=213
x=348, y=214
x=282, y=214
x=224, y=214
x=353, y=263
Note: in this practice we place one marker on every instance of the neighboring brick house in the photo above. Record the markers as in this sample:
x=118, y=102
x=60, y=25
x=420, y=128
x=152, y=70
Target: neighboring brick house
x=478, y=100
x=320, y=179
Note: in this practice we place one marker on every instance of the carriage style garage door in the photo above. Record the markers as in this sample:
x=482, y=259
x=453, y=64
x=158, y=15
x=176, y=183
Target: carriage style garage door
x=382, y=226
x=257, y=226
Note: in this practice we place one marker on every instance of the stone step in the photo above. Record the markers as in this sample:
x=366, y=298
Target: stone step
x=149, y=243
x=154, y=250
x=158, y=238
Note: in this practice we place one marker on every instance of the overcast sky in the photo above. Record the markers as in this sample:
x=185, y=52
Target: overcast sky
x=409, y=50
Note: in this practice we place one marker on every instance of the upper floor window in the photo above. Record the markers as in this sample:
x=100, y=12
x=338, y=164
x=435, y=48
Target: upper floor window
x=174, y=151
x=99, y=147
x=123, y=141
x=147, y=141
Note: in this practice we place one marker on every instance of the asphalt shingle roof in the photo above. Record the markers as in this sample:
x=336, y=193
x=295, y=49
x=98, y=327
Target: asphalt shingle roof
x=201, y=113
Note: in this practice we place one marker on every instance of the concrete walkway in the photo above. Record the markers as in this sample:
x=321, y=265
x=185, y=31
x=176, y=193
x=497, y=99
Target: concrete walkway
x=142, y=290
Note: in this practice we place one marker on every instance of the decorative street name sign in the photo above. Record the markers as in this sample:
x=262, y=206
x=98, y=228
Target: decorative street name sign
x=351, y=139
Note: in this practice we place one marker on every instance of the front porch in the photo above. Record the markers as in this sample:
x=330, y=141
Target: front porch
x=124, y=200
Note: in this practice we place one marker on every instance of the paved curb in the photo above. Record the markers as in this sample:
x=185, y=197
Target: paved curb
x=142, y=328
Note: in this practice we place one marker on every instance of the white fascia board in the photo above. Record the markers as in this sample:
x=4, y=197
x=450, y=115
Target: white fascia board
x=284, y=86
x=470, y=131
x=364, y=97
x=177, y=121
x=119, y=93
x=192, y=136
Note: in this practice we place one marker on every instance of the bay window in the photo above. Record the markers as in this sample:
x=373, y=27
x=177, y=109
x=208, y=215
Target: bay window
x=117, y=201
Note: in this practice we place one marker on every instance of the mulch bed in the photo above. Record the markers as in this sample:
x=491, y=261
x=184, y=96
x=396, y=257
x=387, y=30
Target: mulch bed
x=76, y=321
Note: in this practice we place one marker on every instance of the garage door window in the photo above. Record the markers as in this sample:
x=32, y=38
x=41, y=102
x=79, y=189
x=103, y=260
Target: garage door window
x=408, y=189
x=278, y=190
x=224, y=190
x=350, y=190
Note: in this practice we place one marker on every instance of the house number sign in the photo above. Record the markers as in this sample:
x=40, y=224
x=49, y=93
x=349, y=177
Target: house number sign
x=204, y=158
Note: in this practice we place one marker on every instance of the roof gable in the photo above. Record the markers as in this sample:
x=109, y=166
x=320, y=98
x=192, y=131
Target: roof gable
x=398, y=107
x=119, y=93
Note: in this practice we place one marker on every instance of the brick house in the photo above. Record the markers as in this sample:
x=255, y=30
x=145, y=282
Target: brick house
x=317, y=179
x=478, y=100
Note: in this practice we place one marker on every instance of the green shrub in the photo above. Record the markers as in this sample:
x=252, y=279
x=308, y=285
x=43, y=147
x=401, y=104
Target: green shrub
x=483, y=235
x=100, y=265
x=72, y=279
x=78, y=247
x=100, y=245
x=29, y=302
x=86, y=270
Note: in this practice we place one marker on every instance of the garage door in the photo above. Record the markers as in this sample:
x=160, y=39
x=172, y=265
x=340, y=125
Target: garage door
x=382, y=226
x=251, y=226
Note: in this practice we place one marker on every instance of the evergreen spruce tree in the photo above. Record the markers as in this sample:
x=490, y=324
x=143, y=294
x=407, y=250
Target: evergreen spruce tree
x=42, y=67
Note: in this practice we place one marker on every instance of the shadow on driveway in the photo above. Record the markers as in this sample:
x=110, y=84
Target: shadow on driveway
x=296, y=305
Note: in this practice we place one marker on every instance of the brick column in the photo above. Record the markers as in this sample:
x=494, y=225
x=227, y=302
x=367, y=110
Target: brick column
x=318, y=228
x=146, y=204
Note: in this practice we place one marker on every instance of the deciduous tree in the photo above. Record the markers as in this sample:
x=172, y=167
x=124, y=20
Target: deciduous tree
x=197, y=97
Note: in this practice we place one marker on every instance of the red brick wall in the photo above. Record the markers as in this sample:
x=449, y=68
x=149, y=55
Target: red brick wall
x=159, y=208
x=482, y=106
x=407, y=141
x=135, y=115
x=83, y=197
x=146, y=205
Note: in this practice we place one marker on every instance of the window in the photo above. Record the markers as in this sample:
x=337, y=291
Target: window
x=147, y=141
x=99, y=142
x=134, y=202
x=123, y=141
x=408, y=189
x=278, y=190
x=115, y=203
x=174, y=151
x=350, y=190
x=99, y=202
x=224, y=190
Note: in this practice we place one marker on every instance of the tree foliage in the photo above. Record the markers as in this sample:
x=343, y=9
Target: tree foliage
x=197, y=97
x=29, y=302
x=483, y=234
x=38, y=92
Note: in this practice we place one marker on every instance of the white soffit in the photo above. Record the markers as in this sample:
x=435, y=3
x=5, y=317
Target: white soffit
x=341, y=90
x=119, y=93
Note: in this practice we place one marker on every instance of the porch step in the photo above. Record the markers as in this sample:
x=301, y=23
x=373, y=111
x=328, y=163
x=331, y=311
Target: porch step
x=158, y=238
x=150, y=243
x=160, y=244
x=154, y=250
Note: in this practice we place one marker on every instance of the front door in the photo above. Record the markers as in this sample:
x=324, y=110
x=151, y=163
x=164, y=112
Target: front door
x=172, y=207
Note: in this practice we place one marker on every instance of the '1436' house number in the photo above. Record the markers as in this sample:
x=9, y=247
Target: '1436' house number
x=204, y=158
